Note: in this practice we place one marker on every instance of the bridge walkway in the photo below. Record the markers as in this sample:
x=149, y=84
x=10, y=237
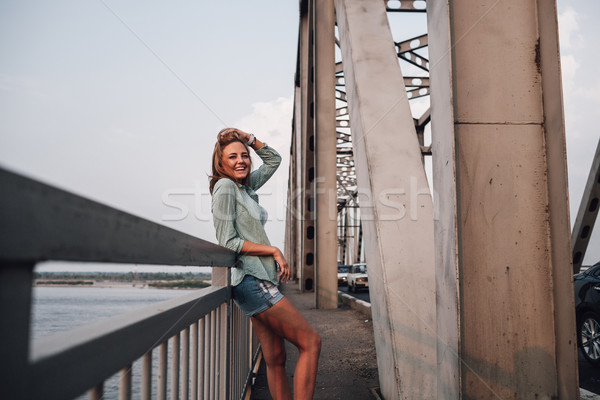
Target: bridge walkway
x=348, y=365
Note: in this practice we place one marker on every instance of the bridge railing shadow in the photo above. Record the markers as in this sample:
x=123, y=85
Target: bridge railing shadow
x=206, y=346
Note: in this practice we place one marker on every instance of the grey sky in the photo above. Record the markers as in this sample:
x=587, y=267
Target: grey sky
x=121, y=101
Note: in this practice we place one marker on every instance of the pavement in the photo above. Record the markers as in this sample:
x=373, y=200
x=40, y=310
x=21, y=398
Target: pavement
x=347, y=366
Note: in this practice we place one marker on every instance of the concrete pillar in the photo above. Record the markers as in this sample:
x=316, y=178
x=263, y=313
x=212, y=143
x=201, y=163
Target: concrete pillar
x=297, y=194
x=505, y=299
x=325, y=155
x=307, y=157
x=290, y=221
x=357, y=238
x=395, y=203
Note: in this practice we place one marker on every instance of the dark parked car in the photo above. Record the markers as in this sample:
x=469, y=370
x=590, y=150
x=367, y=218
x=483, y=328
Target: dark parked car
x=587, y=308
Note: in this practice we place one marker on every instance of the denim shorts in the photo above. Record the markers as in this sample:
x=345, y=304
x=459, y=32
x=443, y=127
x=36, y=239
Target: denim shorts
x=254, y=296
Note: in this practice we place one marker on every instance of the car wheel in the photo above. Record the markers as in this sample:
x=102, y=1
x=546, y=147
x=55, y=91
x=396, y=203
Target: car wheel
x=589, y=337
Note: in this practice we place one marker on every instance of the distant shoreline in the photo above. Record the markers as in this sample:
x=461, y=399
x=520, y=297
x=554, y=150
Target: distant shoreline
x=121, y=285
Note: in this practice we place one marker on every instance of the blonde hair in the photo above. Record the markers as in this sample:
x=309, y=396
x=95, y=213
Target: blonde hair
x=224, y=138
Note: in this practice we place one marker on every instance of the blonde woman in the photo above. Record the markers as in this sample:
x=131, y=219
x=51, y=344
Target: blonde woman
x=239, y=222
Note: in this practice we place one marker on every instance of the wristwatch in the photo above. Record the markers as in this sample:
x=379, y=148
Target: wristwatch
x=251, y=140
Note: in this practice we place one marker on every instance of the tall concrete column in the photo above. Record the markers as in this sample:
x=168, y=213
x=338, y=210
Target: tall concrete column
x=307, y=154
x=505, y=298
x=395, y=203
x=295, y=227
x=325, y=155
x=290, y=220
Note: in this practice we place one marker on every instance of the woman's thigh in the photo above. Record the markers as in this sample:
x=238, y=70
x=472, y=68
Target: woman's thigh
x=271, y=343
x=287, y=322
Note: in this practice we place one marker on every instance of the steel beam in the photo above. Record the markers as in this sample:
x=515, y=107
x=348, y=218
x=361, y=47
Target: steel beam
x=588, y=211
x=325, y=151
x=505, y=298
x=395, y=203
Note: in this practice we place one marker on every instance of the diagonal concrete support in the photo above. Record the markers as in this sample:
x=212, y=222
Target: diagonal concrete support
x=588, y=211
x=395, y=202
x=505, y=298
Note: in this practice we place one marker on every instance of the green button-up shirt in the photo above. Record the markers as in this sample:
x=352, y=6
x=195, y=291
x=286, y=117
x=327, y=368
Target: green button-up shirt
x=238, y=217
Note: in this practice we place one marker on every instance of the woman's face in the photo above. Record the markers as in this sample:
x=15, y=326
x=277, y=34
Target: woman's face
x=236, y=161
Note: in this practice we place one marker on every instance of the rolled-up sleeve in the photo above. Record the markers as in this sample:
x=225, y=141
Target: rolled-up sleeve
x=271, y=160
x=224, y=215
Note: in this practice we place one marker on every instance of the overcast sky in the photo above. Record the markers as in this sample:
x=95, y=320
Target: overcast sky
x=121, y=101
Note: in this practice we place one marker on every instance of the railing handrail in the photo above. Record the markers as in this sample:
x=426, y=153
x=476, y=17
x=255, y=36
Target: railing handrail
x=80, y=357
x=40, y=222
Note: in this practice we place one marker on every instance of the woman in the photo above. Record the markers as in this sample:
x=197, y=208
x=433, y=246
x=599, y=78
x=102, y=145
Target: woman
x=239, y=221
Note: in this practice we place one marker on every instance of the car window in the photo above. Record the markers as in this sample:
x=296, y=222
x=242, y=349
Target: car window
x=358, y=269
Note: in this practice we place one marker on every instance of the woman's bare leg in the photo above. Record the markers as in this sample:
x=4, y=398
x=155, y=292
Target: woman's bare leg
x=273, y=350
x=285, y=321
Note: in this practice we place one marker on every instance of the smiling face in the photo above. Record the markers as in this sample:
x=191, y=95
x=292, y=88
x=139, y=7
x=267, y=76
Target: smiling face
x=236, y=161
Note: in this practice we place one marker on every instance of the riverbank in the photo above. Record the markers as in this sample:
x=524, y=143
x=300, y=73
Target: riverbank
x=123, y=284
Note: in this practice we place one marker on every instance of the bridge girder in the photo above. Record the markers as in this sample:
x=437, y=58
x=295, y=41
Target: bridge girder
x=459, y=328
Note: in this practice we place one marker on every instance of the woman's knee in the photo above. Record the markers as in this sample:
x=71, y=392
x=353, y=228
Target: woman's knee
x=312, y=343
x=276, y=356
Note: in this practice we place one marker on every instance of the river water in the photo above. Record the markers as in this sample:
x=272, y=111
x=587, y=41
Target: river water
x=57, y=309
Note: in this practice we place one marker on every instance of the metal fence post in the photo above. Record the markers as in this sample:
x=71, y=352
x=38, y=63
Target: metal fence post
x=228, y=340
x=15, y=311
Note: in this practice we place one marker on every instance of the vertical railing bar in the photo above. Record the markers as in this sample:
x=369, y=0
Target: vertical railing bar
x=247, y=343
x=163, y=355
x=195, y=360
x=249, y=352
x=223, y=359
x=240, y=360
x=146, y=388
x=218, y=343
x=175, y=366
x=125, y=383
x=215, y=344
x=185, y=370
x=244, y=343
x=207, y=365
x=213, y=348
x=233, y=360
x=97, y=392
x=244, y=354
x=228, y=315
x=241, y=347
x=222, y=393
x=202, y=357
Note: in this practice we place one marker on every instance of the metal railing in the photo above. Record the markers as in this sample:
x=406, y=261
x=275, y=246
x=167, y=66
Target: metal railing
x=206, y=347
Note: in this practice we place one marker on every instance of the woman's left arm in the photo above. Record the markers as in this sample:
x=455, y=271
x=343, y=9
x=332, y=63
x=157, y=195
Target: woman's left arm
x=271, y=160
x=256, y=249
